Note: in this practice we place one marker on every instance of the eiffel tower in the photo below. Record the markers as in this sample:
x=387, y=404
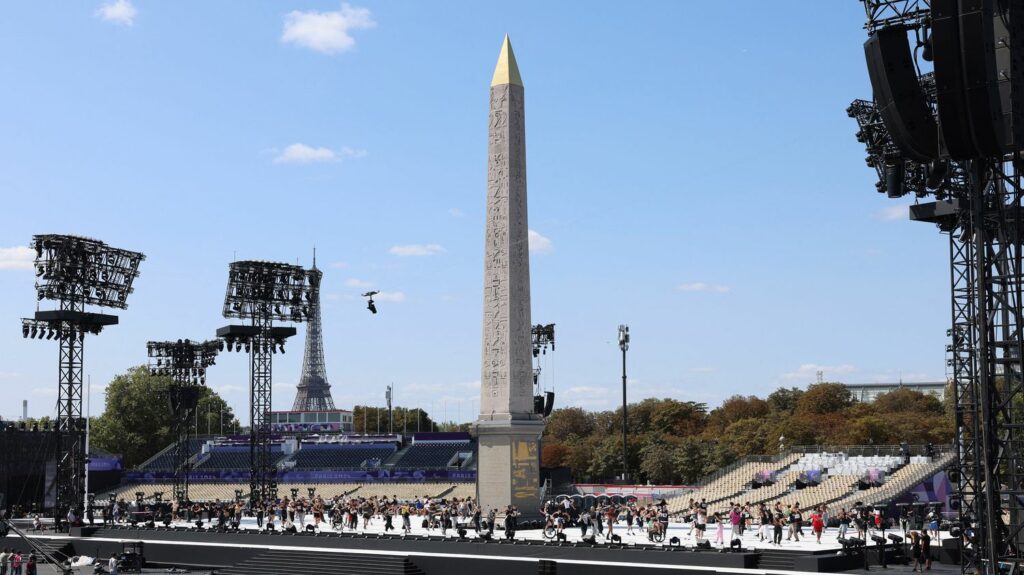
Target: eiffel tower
x=313, y=393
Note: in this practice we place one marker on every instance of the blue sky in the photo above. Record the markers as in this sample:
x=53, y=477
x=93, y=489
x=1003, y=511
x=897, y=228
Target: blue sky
x=692, y=173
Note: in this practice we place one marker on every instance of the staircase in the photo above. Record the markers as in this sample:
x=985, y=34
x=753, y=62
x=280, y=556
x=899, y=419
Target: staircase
x=281, y=562
x=395, y=457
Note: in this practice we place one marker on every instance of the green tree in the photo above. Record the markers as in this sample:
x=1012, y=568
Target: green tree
x=569, y=422
x=908, y=400
x=679, y=418
x=824, y=398
x=783, y=400
x=136, y=420
x=656, y=464
x=369, y=419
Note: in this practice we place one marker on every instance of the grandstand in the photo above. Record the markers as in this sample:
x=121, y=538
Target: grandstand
x=208, y=492
x=232, y=458
x=432, y=454
x=432, y=465
x=812, y=479
x=164, y=460
x=334, y=456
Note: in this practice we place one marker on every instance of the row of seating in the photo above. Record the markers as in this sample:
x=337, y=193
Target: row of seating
x=729, y=486
x=898, y=482
x=341, y=457
x=208, y=492
x=427, y=455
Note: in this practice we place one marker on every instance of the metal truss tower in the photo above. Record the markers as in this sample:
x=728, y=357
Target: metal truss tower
x=185, y=362
x=263, y=292
x=76, y=272
x=313, y=392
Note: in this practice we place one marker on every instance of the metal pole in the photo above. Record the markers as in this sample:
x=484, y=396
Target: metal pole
x=625, y=423
x=624, y=346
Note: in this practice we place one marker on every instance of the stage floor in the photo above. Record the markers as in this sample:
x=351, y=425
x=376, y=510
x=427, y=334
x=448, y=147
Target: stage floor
x=750, y=538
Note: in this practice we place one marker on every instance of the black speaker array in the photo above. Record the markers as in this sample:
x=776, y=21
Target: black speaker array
x=992, y=77
x=899, y=96
x=979, y=82
x=956, y=140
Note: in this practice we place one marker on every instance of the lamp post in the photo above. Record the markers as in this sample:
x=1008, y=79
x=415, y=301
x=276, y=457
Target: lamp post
x=624, y=346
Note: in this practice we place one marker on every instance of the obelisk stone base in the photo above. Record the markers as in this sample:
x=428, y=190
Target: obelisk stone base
x=508, y=466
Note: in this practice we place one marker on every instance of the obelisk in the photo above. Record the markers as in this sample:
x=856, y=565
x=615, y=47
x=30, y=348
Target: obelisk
x=508, y=430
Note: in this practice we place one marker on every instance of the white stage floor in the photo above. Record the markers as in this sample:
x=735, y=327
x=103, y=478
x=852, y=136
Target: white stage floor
x=681, y=530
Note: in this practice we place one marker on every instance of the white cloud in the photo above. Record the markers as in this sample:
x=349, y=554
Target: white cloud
x=302, y=154
x=339, y=265
x=395, y=296
x=455, y=212
x=702, y=286
x=539, y=244
x=357, y=283
x=809, y=371
x=326, y=32
x=16, y=258
x=352, y=152
x=120, y=12
x=416, y=250
x=894, y=213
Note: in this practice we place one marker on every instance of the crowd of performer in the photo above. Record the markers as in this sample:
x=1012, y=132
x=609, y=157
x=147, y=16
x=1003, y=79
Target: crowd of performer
x=607, y=520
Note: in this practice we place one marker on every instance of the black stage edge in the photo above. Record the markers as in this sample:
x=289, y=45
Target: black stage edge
x=245, y=552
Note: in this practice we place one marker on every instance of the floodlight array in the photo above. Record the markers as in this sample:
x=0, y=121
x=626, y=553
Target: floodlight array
x=34, y=329
x=184, y=360
x=246, y=343
x=259, y=289
x=84, y=270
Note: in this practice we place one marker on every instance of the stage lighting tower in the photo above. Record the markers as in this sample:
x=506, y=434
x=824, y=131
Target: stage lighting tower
x=75, y=272
x=262, y=292
x=185, y=362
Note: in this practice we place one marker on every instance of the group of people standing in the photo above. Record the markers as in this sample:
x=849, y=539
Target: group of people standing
x=15, y=563
x=602, y=518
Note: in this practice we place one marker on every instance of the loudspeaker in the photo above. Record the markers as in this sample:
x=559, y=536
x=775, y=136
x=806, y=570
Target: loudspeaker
x=954, y=126
x=993, y=73
x=549, y=402
x=538, y=404
x=894, y=188
x=898, y=94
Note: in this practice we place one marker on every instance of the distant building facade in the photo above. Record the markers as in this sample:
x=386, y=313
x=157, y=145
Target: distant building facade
x=868, y=392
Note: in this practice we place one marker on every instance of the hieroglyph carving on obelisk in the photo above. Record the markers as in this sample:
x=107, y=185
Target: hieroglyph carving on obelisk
x=506, y=379
x=508, y=430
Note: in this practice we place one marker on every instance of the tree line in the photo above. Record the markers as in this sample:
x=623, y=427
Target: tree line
x=678, y=442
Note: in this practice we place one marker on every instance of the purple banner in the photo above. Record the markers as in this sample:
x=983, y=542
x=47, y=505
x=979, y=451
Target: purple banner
x=310, y=476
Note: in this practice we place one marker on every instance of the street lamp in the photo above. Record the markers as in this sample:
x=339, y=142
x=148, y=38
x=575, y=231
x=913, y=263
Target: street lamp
x=624, y=346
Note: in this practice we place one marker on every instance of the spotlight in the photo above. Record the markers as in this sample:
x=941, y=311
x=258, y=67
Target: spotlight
x=199, y=524
x=895, y=538
x=673, y=542
x=616, y=539
x=309, y=528
x=462, y=532
x=702, y=544
x=879, y=540
x=485, y=536
x=24, y=330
